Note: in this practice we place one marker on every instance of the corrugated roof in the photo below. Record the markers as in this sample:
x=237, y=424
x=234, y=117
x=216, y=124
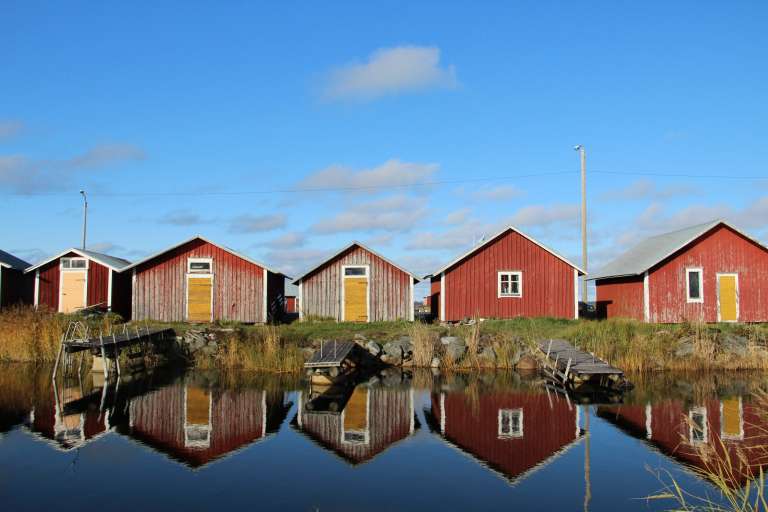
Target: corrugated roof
x=342, y=251
x=655, y=249
x=8, y=260
x=198, y=237
x=494, y=237
x=112, y=262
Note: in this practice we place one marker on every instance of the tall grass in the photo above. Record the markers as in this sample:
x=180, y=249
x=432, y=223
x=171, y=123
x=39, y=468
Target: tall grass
x=259, y=349
x=426, y=345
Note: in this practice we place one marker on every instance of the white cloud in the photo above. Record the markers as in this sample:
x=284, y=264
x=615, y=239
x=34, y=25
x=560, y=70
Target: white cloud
x=457, y=217
x=183, y=218
x=392, y=214
x=545, y=215
x=256, y=223
x=646, y=189
x=392, y=173
x=287, y=241
x=106, y=154
x=500, y=193
x=390, y=71
x=459, y=237
x=296, y=261
x=9, y=128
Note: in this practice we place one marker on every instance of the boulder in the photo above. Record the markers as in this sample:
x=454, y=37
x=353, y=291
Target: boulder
x=487, y=356
x=435, y=362
x=455, y=351
x=527, y=363
x=359, y=337
x=452, y=340
x=373, y=348
x=735, y=345
x=393, y=359
x=401, y=347
x=684, y=347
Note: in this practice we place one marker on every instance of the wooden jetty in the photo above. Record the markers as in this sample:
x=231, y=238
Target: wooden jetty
x=577, y=370
x=107, y=346
x=338, y=358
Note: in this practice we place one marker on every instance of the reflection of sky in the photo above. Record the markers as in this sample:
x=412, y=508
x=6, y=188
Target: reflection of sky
x=289, y=471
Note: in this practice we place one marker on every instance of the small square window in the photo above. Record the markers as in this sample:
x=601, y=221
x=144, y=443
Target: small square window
x=698, y=425
x=511, y=423
x=74, y=263
x=694, y=285
x=200, y=266
x=510, y=284
x=355, y=271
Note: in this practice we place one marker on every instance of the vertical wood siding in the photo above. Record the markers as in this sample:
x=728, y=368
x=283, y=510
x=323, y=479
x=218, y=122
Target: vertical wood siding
x=721, y=250
x=434, y=297
x=290, y=305
x=472, y=284
x=473, y=426
x=620, y=297
x=161, y=285
x=48, y=293
x=389, y=287
x=98, y=284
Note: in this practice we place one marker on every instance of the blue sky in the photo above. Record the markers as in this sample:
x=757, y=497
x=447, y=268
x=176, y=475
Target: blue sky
x=191, y=117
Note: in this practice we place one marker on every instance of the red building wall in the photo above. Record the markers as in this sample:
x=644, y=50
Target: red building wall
x=434, y=296
x=161, y=285
x=390, y=290
x=548, y=282
x=48, y=292
x=722, y=250
x=290, y=305
x=620, y=297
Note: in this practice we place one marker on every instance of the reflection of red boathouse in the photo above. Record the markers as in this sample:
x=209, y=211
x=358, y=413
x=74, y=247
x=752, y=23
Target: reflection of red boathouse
x=513, y=432
x=372, y=420
x=678, y=430
x=195, y=425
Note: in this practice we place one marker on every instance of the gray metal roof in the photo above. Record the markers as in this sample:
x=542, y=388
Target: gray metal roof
x=112, y=262
x=655, y=249
x=8, y=260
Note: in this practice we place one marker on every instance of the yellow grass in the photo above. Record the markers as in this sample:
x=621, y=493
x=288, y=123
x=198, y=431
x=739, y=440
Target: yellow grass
x=259, y=349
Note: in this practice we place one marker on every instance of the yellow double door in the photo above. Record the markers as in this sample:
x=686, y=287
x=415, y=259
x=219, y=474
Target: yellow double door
x=355, y=299
x=727, y=297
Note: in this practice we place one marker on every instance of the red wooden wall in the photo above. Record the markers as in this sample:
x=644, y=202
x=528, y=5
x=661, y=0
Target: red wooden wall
x=620, y=297
x=472, y=284
x=389, y=286
x=48, y=293
x=722, y=250
x=238, y=285
x=290, y=305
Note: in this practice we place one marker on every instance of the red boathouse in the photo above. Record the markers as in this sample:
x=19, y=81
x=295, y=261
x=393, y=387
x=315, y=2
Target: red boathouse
x=78, y=279
x=15, y=286
x=710, y=272
x=199, y=281
x=509, y=275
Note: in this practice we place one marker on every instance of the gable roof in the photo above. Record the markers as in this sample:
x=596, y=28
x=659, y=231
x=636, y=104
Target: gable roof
x=198, y=237
x=8, y=260
x=345, y=249
x=112, y=262
x=494, y=237
x=656, y=249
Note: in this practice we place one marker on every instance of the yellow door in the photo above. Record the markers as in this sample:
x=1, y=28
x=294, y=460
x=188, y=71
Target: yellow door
x=72, y=291
x=727, y=298
x=198, y=406
x=356, y=299
x=731, y=418
x=356, y=411
x=199, y=299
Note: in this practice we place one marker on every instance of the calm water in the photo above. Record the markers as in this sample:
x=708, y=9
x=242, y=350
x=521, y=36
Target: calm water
x=200, y=441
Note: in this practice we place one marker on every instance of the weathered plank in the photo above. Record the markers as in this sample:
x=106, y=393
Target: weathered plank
x=331, y=353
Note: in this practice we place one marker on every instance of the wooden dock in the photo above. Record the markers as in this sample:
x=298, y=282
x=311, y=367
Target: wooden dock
x=576, y=369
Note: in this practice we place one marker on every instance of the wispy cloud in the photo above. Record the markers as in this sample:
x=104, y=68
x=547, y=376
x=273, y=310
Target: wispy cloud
x=289, y=240
x=256, y=223
x=646, y=189
x=392, y=214
x=457, y=217
x=183, y=218
x=499, y=193
x=23, y=175
x=390, y=71
x=9, y=128
x=295, y=261
x=392, y=173
x=545, y=215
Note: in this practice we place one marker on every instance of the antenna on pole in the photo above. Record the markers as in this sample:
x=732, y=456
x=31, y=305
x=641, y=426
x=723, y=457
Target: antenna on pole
x=583, y=158
x=85, y=216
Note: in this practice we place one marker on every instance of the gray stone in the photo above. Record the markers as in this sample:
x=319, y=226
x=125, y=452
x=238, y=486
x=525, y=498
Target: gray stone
x=733, y=344
x=401, y=347
x=373, y=348
x=684, y=348
x=393, y=359
x=360, y=337
x=452, y=340
x=455, y=351
x=435, y=362
x=488, y=356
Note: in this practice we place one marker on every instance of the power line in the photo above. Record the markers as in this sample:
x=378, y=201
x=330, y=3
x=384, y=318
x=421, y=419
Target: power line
x=681, y=175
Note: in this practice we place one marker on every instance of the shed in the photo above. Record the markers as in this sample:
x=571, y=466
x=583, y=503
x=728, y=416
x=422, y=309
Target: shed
x=508, y=275
x=357, y=285
x=710, y=272
x=77, y=278
x=200, y=281
x=15, y=286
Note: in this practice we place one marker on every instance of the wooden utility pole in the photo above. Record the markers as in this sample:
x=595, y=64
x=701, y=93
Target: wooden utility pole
x=583, y=155
x=85, y=216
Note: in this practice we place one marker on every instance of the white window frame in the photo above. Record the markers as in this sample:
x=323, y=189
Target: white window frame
x=190, y=261
x=701, y=411
x=510, y=435
x=510, y=273
x=688, y=297
x=62, y=270
x=367, y=276
x=735, y=275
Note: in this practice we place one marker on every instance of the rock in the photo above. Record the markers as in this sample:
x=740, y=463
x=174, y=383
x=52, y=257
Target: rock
x=455, y=351
x=487, y=355
x=435, y=362
x=393, y=359
x=735, y=345
x=685, y=347
x=527, y=363
x=373, y=348
x=360, y=337
x=452, y=340
x=401, y=347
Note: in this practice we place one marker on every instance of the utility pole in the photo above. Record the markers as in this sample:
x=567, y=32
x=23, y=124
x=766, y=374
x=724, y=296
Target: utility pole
x=85, y=216
x=583, y=157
